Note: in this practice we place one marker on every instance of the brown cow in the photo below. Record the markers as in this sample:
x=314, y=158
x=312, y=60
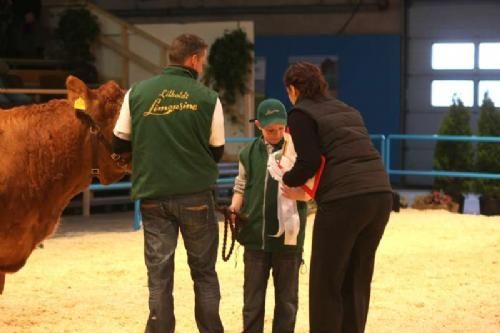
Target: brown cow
x=48, y=153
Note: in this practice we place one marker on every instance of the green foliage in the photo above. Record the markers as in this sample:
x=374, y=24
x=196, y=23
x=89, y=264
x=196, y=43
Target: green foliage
x=229, y=65
x=488, y=153
x=454, y=155
x=78, y=28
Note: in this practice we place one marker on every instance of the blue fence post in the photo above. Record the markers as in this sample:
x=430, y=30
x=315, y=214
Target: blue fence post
x=382, y=147
x=388, y=154
x=380, y=137
x=137, y=215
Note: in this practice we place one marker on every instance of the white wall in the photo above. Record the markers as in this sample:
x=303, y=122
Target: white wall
x=209, y=31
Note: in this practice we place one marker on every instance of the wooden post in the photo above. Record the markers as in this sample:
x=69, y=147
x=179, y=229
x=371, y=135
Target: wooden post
x=87, y=197
x=125, y=61
x=249, y=103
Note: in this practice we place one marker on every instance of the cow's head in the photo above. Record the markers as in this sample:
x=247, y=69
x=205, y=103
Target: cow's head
x=102, y=106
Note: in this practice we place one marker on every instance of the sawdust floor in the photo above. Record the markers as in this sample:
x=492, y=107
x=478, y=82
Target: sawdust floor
x=435, y=272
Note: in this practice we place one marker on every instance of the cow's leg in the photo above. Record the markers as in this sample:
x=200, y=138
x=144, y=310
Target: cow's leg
x=2, y=282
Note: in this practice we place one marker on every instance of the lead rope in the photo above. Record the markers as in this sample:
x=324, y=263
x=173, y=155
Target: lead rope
x=227, y=221
x=228, y=225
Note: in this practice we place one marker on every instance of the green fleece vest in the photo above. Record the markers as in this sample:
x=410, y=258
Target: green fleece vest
x=260, y=204
x=171, y=126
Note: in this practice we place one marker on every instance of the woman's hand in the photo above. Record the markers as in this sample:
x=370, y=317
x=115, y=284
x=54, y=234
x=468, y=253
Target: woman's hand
x=295, y=193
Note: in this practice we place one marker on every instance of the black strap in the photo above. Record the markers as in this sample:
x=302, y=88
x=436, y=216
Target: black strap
x=96, y=138
x=94, y=142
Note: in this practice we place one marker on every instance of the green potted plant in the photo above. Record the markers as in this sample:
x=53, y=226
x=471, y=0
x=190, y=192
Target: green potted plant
x=488, y=157
x=229, y=67
x=454, y=155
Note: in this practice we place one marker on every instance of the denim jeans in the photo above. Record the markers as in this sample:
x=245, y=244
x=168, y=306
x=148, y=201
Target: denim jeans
x=285, y=267
x=194, y=216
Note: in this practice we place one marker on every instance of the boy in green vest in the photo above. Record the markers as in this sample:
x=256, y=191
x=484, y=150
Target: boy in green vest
x=255, y=195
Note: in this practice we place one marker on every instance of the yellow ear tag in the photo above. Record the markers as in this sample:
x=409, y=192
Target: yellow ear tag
x=80, y=104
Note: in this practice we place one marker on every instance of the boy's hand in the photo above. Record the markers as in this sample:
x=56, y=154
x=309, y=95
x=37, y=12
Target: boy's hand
x=235, y=207
x=233, y=214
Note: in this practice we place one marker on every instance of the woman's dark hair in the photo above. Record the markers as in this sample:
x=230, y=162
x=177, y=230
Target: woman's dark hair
x=185, y=46
x=307, y=78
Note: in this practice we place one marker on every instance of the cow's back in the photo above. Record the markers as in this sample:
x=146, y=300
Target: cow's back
x=33, y=140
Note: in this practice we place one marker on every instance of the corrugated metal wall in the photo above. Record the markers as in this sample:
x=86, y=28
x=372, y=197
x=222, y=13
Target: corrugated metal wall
x=440, y=21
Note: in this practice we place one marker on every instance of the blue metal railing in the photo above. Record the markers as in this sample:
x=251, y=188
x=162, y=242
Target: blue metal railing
x=121, y=186
x=381, y=138
x=238, y=140
x=437, y=173
x=115, y=186
x=385, y=148
x=137, y=204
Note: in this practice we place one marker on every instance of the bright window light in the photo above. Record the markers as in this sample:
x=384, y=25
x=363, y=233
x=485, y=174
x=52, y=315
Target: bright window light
x=489, y=56
x=493, y=89
x=453, y=56
x=443, y=92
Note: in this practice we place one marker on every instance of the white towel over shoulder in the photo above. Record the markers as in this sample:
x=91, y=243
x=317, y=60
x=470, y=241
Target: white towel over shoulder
x=278, y=163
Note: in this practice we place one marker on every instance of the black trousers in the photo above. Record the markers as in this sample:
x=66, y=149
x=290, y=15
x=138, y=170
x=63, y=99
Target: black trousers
x=346, y=235
x=285, y=269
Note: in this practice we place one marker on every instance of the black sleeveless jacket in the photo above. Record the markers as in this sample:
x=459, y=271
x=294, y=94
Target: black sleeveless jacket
x=353, y=165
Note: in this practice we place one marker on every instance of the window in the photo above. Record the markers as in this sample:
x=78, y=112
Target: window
x=465, y=73
x=443, y=92
x=453, y=56
x=493, y=89
x=489, y=56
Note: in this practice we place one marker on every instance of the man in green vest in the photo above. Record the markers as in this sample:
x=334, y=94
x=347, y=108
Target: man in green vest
x=256, y=196
x=174, y=127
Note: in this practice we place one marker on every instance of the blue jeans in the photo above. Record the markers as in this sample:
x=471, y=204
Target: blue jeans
x=194, y=216
x=285, y=267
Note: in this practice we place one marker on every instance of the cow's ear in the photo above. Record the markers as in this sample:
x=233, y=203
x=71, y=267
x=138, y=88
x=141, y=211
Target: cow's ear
x=77, y=90
x=111, y=90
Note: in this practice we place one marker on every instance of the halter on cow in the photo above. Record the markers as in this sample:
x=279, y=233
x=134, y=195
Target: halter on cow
x=97, y=138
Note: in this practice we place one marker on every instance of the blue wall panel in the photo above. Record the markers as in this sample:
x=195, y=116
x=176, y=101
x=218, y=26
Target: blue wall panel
x=368, y=72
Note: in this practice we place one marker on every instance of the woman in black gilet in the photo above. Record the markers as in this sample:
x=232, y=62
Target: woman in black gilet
x=354, y=199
